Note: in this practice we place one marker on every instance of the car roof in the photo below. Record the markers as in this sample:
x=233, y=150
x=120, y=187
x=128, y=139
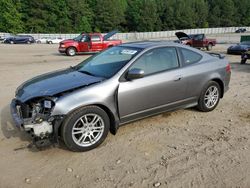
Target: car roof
x=149, y=44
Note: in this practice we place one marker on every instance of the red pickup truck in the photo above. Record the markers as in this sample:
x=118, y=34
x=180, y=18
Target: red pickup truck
x=88, y=42
x=196, y=40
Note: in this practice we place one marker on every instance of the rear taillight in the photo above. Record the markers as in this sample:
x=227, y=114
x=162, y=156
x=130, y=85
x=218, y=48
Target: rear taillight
x=228, y=68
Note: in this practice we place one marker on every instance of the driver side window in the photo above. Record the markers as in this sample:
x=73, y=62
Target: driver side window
x=85, y=38
x=157, y=60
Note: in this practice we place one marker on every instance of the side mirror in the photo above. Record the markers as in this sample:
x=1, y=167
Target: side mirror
x=135, y=74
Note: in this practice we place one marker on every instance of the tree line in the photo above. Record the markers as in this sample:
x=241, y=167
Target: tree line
x=74, y=16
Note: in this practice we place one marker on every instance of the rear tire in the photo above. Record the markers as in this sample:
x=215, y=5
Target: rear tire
x=85, y=128
x=71, y=51
x=243, y=61
x=210, y=97
x=209, y=47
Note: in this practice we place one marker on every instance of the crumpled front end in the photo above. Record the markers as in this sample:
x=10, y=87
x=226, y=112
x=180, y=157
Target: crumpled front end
x=34, y=117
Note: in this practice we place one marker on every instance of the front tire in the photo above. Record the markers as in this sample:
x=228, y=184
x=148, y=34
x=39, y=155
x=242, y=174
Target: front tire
x=71, y=51
x=85, y=128
x=210, y=97
x=243, y=61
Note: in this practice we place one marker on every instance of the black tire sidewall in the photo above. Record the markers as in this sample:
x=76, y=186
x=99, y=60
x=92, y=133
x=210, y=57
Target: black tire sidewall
x=67, y=51
x=243, y=61
x=209, y=47
x=73, y=117
x=201, y=104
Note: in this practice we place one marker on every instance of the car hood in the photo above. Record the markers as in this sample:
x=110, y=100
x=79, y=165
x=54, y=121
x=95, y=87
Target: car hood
x=180, y=35
x=110, y=34
x=67, y=41
x=238, y=47
x=54, y=83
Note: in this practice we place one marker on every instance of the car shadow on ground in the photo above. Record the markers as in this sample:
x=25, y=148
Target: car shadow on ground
x=236, y=66
x=8, y=127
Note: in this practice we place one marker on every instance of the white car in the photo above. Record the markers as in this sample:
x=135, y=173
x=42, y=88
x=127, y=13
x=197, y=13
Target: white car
x=55, y=40
x=42, y=40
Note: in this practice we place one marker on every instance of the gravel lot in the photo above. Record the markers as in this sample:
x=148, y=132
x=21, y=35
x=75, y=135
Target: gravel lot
x=185, y=148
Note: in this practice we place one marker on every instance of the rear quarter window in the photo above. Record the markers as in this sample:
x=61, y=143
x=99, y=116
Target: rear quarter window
x=95, y=38
x=189, y=56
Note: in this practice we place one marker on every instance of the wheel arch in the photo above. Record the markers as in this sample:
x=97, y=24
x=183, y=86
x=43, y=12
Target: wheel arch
x=72, y=47
x=221, y=84
x=210, y=43
x=113, y=121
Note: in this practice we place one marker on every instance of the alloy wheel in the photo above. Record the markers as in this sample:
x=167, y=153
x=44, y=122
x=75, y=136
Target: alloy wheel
x=88, y=129
x=211, y=97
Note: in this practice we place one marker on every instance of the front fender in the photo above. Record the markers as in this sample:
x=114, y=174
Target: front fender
x=103, y=94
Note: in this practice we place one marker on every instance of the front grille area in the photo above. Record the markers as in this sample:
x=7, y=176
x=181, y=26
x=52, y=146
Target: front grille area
x=24, y=110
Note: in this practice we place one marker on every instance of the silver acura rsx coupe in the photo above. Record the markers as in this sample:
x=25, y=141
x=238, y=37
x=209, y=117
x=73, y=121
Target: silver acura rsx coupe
x=81, y=104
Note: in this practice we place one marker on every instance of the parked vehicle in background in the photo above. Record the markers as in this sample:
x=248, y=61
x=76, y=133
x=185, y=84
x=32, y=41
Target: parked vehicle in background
x=245, y=56
x=241, y=30
x=239, y=49
x=20, y=39
x=196, y=40
x=88, y=42
x=43, y=40
x=55, y=40
x=81, y=104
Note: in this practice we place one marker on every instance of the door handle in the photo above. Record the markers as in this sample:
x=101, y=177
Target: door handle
x=178, y=78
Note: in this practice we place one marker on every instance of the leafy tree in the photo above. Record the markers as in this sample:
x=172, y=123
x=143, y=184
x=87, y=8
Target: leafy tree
x=65, y=16
x=81, y=15
x=201, y=13
x=10, y=17
x=227, y=17
x=242, y=14
x=148, y=16
x=133, y=14
x=110, y=14
x=35, y=15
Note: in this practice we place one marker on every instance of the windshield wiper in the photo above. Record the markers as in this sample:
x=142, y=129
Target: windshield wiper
x=86, y=72
x=73, y=67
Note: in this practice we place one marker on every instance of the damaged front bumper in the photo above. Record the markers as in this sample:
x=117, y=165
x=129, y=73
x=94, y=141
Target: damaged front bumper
x=42, y=130
x=15, y=114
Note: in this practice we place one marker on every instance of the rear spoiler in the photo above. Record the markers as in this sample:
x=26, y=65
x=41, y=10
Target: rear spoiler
x=221, y=56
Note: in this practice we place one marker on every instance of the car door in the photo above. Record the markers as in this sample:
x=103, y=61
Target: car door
x=18, y=39
x=84, y=43
x=162, y=85
x=198, y=40
x=96, y=43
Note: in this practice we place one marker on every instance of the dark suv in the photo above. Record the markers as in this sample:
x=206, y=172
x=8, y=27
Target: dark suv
x=20, y=39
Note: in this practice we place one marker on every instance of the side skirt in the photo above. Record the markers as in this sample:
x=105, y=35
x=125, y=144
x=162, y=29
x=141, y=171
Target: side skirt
x=156, y=111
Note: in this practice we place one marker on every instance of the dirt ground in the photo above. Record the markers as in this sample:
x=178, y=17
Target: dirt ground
x=185, y=148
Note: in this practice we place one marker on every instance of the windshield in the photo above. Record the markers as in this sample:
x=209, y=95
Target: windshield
x=78, y=38
x=109, y=62
x=245, y=43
